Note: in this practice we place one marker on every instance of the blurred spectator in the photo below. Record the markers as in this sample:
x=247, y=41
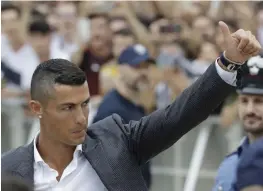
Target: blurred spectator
x=17, y=69
x=126, y=99
x=165, y=30
x=208, y=51
x=174, y=80
x=168, y=52
x=66, y=38
x=99, y=22
x=118, y=23
x=121, y=40
x=97, y=52
x=11, y=38
x=204, y=26
x=109, y=74
x=40, y=38
x=10, y=183
x=133, y=82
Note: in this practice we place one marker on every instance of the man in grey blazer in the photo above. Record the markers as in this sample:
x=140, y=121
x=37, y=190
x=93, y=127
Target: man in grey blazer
x=108, y=156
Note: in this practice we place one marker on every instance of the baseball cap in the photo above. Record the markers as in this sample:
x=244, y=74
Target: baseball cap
x=251, y=81
x=134, y=55
x=250, y=167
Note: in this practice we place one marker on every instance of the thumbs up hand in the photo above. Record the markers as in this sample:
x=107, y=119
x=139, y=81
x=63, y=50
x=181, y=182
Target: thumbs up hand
x=240, y=45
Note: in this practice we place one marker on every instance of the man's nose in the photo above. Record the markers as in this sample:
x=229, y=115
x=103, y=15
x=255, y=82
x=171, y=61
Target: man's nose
x=80, y=116
x=250, y=107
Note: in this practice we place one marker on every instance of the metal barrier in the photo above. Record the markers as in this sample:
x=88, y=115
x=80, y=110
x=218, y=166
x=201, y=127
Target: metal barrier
x=198, y=155
x=188, y=177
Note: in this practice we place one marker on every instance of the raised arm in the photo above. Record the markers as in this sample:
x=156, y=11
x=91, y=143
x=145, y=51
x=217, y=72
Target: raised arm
x=160, y=130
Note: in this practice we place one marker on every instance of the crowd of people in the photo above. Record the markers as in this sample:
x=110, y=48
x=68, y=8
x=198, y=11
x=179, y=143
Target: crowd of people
x=137, y=57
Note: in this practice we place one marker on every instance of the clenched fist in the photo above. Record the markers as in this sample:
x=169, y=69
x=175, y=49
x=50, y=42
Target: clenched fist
x=240, y=45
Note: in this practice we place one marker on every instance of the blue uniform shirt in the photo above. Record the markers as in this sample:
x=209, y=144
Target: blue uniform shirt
x=250, y=167
x=226, y=176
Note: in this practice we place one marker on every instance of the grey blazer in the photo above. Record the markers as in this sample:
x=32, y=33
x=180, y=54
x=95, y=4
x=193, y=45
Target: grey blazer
x=116, y=150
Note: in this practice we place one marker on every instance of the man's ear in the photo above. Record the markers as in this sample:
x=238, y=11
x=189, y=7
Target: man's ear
x=35, y=107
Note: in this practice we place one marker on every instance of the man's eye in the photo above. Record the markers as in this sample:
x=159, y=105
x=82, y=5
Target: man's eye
x=85, y=104
x=68, y=108
x=259, y=101
x=244, y=100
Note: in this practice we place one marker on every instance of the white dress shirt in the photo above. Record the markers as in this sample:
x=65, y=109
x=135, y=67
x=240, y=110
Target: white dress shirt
x=228, y=77
x=78, y=175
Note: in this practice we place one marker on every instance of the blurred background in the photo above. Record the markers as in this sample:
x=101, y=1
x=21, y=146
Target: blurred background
x=182, y=39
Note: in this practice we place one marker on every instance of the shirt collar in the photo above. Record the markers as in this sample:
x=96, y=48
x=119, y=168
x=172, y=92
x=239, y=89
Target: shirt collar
x=39, y=159
x=243, y=145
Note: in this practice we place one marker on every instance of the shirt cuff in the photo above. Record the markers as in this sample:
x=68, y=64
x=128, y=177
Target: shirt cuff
x=228, y=77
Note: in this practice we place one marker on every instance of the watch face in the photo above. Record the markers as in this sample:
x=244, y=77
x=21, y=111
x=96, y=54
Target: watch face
x=231, y=67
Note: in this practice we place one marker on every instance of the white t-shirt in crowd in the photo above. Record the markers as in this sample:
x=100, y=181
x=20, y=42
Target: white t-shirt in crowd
x=23, y=62
x=59, y=44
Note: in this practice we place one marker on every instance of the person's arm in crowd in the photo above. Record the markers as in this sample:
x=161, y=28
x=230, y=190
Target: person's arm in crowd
x=156, y=132
x=139, y=30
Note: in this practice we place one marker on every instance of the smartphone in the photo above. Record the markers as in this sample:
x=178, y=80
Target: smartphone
x=171, y=28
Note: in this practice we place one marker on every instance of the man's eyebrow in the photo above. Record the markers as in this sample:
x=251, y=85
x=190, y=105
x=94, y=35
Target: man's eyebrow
x=70, y=103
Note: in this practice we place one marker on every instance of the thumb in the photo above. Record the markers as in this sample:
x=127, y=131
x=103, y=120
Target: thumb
x=225, y=30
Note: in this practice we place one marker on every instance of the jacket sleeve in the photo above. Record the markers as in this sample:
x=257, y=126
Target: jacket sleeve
x=158, y=131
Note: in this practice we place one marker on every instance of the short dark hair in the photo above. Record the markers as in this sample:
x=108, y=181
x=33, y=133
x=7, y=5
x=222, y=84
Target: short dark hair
x=37, y=15
x=9, y=6
x=124, y=32
x=11, y=183
x=39, y=26
x=52, y=72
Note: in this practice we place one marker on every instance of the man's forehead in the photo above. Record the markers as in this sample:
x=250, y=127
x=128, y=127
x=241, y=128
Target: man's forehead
x=67, y=92
x=61, y=88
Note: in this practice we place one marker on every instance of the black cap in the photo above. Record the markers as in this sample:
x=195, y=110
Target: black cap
x=251, y=81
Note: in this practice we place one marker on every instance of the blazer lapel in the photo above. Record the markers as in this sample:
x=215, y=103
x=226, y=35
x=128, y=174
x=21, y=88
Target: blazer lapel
x=25, y=169
x=93, y=151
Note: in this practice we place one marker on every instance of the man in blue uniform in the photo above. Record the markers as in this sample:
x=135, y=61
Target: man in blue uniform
x=250, y=109
x=250, y=168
